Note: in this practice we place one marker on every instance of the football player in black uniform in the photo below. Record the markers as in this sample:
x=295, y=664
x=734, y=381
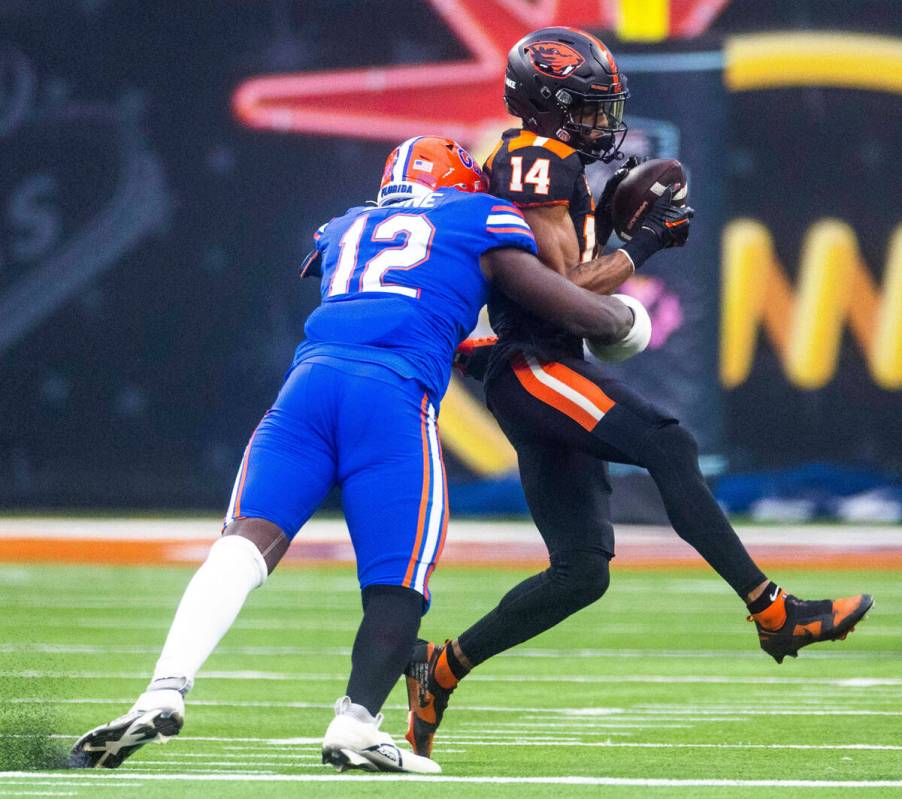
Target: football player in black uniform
x=563, y=415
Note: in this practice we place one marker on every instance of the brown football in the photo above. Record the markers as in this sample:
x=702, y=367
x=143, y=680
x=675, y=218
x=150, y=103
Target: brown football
x=641, y=188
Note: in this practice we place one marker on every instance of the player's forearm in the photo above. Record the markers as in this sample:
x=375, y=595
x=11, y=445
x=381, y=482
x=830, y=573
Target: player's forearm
x=529, y=282
x=604, y=274
x=606, y=319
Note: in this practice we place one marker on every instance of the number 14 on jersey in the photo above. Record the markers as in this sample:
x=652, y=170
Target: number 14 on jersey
x=537, y=175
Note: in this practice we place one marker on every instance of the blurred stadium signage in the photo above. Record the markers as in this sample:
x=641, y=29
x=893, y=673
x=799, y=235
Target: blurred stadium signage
x=811, y=303
x=60, y=225
x=456, y=99
x=806, y=325
x=834, y=285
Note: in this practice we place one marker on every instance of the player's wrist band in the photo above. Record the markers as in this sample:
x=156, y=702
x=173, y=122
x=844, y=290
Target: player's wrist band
x=641, y=247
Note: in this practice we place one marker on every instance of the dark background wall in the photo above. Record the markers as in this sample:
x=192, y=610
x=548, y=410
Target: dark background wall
x=149, y=242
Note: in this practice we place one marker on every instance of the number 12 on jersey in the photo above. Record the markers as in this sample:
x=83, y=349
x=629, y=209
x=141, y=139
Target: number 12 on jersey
x=412, y=236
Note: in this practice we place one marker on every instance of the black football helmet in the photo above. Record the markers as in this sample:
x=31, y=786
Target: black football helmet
x=564, y=84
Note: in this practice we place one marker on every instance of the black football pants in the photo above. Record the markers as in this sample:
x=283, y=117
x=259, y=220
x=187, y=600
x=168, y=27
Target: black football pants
x=566, y=419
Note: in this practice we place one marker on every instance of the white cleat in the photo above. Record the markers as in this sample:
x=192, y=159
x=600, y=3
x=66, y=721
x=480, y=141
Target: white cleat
x=354, y=740
x=154, y=718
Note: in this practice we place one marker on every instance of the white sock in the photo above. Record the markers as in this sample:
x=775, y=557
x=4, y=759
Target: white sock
x=211, y=602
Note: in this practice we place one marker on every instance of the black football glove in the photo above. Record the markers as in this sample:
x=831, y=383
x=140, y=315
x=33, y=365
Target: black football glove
x=665, y=225
x=668, y=222
x=604, y=211
x=311, y=266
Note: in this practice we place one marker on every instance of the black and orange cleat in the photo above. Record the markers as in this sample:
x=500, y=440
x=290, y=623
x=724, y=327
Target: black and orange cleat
x=791, y=623
x=426, y=698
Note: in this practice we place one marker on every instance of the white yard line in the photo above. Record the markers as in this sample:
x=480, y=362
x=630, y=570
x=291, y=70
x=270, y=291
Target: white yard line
x=642, y=679
x=570, y=727
x=247, y=753
x=511, y=741
x=609, y=781
x=312, y=744
x=133, y=649
x=212, y=766
x=557, y=654
x=242, y=767
x=284, y=624
x=81, y=782
x=624, y=714
x=352, y=604
x=294, y=624
x=38, y=793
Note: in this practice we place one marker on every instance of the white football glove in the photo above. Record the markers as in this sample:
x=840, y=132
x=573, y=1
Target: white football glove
x=633, y=342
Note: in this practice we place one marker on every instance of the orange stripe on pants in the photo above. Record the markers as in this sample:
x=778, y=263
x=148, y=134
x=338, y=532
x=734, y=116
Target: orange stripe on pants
x=236, y=513
x=441, y=542
x=424, y=497
x=590, y=392
x=580, y=384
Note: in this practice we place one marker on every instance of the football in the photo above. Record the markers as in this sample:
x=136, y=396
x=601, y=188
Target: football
x=641, y=188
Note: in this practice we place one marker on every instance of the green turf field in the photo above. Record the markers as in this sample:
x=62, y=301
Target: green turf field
x=661, y=680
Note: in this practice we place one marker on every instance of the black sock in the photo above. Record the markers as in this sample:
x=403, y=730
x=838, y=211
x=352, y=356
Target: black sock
x=457, y=668
x=763, y=602
x=391, y=620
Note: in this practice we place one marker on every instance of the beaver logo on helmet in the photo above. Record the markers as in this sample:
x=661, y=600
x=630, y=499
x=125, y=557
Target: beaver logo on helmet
x=554, y=59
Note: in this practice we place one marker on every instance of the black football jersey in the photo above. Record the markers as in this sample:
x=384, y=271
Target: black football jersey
x=530, y=171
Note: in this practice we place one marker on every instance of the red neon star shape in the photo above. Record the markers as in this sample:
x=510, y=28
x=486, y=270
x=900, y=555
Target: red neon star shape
x=460, y=100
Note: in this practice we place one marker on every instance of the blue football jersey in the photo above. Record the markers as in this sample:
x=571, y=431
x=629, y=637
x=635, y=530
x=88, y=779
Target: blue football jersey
x=401, y=284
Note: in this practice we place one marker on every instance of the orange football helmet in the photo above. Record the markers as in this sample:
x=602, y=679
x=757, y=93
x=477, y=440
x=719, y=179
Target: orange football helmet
x=423, y=164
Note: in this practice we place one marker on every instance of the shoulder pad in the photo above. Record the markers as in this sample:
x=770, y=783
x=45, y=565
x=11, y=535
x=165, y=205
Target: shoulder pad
x=527, y=138
x=320, y=230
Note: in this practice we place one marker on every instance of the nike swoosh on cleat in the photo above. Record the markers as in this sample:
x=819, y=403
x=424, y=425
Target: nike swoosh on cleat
x=389, y=752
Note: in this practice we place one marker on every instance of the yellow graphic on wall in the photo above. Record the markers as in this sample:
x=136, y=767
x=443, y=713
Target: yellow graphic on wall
x=805, y=325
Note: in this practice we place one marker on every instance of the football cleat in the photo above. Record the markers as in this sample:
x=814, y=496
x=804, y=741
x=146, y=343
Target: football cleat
x=156, y=717
x=353, y=740
x=791, y=623
x=426, y=699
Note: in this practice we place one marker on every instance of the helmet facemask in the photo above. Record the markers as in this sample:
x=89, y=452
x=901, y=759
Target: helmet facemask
x=595, y=125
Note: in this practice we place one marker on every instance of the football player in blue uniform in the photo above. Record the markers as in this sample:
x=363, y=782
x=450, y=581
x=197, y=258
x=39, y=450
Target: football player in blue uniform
x=566, y=416
x=402, y=283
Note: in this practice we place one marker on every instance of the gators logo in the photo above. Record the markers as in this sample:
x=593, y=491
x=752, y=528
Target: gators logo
x=554, y=59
